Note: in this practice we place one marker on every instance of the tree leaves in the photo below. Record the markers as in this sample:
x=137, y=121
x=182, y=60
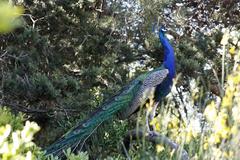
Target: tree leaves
x=9, y=17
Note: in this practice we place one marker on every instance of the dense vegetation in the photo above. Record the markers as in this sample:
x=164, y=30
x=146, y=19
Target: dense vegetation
x=64, y=58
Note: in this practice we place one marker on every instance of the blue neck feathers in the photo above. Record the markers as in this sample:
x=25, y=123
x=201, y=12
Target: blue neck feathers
x=169, y=60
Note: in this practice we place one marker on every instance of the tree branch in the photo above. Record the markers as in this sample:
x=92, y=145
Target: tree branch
x=155, y=138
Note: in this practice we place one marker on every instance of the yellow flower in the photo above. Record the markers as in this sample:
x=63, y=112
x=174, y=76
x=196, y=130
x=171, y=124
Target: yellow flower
x=217, y=153
x=232, y=50
x=230, y=154
x=153, y=122
x=156, y=124
x=5, y=132
x=211, y=112
x=189, y=136
x=28, y=131
x=159, y=148
x=220, y=126
x=174, y=122
x=29, y=155
x=234, y=130
x=236, y=113
x=179, y=139
x=214, y=139
x=16, y=141
x=205, y=146
x=227, y=102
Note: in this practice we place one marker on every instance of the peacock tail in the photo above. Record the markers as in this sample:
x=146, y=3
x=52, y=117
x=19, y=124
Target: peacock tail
x=122, y=105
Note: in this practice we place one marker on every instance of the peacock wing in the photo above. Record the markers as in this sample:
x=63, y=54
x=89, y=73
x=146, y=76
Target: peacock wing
x=146, y=90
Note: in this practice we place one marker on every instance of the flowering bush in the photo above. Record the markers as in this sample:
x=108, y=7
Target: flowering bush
x=16, y=139
x=219, y=135
x=18, y=144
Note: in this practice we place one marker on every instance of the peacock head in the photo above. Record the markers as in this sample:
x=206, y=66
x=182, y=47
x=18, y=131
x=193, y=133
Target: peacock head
x=162, y=31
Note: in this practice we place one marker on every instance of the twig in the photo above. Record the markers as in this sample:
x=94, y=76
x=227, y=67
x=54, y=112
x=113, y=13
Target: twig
x=156, y=138
x=223, y=67
x=219, y=84
x=3, y=54
x=125, y=151
x=34, y=21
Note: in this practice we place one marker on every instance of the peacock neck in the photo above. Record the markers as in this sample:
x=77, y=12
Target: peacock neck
x=169, y=59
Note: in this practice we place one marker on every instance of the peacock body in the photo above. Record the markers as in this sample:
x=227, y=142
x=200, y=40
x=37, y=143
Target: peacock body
x=156, y=83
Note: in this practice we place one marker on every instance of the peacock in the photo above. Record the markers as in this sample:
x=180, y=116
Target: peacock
x=155, y=84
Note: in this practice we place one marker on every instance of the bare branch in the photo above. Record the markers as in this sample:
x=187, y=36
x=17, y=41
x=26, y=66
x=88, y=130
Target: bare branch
x=155, y=138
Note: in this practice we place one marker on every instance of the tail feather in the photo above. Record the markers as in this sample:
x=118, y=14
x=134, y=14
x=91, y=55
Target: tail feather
x=79, y=134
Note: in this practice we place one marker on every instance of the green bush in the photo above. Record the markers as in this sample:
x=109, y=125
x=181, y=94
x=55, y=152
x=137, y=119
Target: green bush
x=16, y=138
x=15, y=121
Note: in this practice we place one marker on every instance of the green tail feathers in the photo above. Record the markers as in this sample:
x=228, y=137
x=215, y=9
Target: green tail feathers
x=121, y=105
x=79, y=134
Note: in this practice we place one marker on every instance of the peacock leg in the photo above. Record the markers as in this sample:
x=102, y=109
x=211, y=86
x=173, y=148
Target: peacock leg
x=151, y=110
x=153, y=113
x=147, y=122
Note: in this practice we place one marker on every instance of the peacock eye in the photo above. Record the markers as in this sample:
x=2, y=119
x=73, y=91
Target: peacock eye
x=217, y=8
x=164, y=29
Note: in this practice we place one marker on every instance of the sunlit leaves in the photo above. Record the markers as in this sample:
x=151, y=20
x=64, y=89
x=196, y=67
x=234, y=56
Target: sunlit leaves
x=159, y=148
x=225, y=38
x=9, y=17
x=211, y=112
x=18, y=144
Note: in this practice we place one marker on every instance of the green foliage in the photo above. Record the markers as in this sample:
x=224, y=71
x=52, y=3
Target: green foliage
x=107, y=136
x=79, y=156
x=43, y=87
x=69, y=156
x=16, y=138
x=38, y=86
x=18, y=144
x=6, y=117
